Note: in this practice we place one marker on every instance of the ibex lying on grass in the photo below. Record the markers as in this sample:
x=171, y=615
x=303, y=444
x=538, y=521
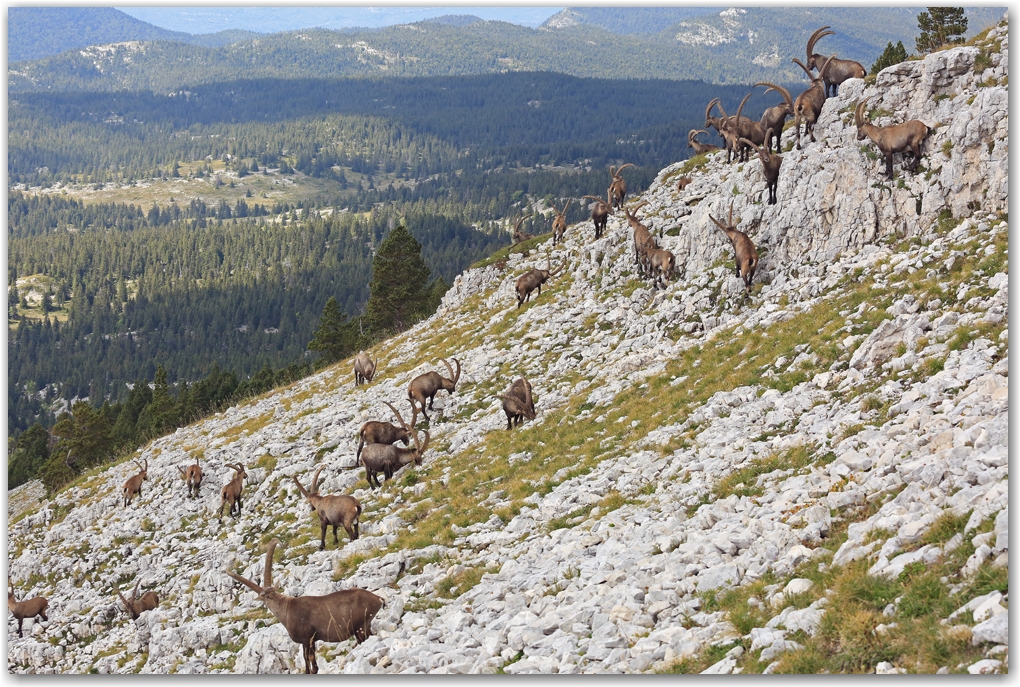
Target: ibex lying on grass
x=809, y=104
x=378, y=432
x=533, y=279
x=743, y=249
x=30, y=608
x=682, y=183
x=426, y=386
x=775, y=117
x=231, y=491
x=770, y=163
x=133, y=485
x=192, y=477
x=135, y=607
x=643, y=240
x=699, y=148
x=310, y=619
x=388, y=459
x=900, y=138
x=618, y=189
x=560, y=222
x=839, y=71
x=518, y=403
x=336, y=509
x=600, y=213
x=518, y=235
x=364, y=369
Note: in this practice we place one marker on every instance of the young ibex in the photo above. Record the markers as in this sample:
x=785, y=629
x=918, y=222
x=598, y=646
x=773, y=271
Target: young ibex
x=775, y=117
x=426, y=386
x=643, y=240
x=682, y=183
x=533, y=279
x=809, y=104
x=192, y=476
x=560, y=222
x=618, y=189
x=231, y=492
x=518, y=235
x=743, y=249
x=378, y=432
x=770, y=163
x=364, y=369
x=308, y=619
x=133, y=485
x=135, y=607
x=600, y=213
x=900, y=138
x=839, y=71
x=30, y=608
x=518, y=403
x=699, y=147
x=388, y=459
x=333, y=510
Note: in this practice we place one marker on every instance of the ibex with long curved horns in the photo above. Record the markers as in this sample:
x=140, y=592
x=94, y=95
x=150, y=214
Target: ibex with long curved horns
x=426, y=386
x=388, y=459
x=133, y=485
x=618, y=188
x=770, y=163
x=378, y=432
x=335, y=509
x=775, y=117
x=747, y=129
x=364, y=369
x=518, y=235
x=136, y=606
x=600, y=213
x=518, y=403
x=901, y=138
x=309, y=619
x=559, y=226
x=839, y=71
x=809, y=104
x=699, y=147
x=743, y=249
x=533, y=279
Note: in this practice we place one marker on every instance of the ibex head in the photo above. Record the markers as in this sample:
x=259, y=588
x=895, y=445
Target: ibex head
x=859, y=119
x=454, y=377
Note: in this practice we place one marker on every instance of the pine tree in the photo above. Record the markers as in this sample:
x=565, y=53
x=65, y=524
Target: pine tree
x=161, y=413
x=336, y=337
x=890, y=56
x=940, y=26
x=30, y=454
x=399, y=294
x=85, y=440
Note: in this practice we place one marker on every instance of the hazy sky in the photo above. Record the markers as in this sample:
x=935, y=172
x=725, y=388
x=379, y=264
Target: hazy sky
x=269, y=19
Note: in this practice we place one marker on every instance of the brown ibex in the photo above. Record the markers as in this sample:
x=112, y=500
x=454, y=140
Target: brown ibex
x=560, y=222
x=133, y=485
x=364, y=369
x=335, y=510
x=192, y=477
x=310, y=619
x=518, y=235
x=378, y=432
x=682, y=183
x=809, y=104
x=746, y=128
x=388, y=459
x=30, y=608
x=600, y=213
x=135, y=607
x=661, y=263
x=231, y=491
x=518, y=403
x=724, y=125
x=426, y=386
x=775, y=117
x=699, y=147
x=643, y=240
x=900, y=138
x=744, y=252
x=533, y=279
x=618, y=189
x=770, y=163
x=839, y=71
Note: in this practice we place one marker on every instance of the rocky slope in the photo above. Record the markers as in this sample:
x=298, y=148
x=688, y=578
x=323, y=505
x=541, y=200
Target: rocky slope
x=707, y=475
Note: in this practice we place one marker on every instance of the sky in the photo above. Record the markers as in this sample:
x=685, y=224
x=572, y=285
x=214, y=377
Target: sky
x=198, y=19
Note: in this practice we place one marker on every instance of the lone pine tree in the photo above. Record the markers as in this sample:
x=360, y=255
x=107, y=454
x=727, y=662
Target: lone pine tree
x=399, y=293
x=940, y=26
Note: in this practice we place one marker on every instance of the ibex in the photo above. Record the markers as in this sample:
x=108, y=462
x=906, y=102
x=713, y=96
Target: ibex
x=724, y=125
x=775, y=117
x=839, y=71
x=378, y=432
x=310, y=619
x=600, y=213
x=770, y=163
x=743, y=249
x=364, y=369
x=560, y=222
x=661, y=263
x=533, y=279
x=29, y=608
x=231, y=491
x=333, y=510
x=428, y=385
x=192, y=477
x=133, y=485
x=809, y=104
x=135, y=607
x=682, y=183
x=699, y=148
x=900, y=138
x=618, y=189
x=643, y=240
x=749, y=129
x=387, y=459
x=518, y=235
x=518, y=403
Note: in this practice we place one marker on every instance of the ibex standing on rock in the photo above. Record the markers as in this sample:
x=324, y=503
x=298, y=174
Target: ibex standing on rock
x=133, y=485
x=427, y=385
x=518, y=403
x=378, y=432
x=775, y=117
x=560, y=222
x=809, y=103
x=308, y=619
x=618, y=189
x=743, y=249
x=643, y=240
x=29, y=608
x=192, y=477
x=533, y=279
x=900, y=138
x=770, y=163
x=231, y=491
x=600, y=213
x=839, y=71
x=135, y=607
x=388, y=459
x=364, y=369
x=335, y=510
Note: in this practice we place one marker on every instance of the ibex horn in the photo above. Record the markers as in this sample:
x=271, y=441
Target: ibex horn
x=267, y=577
x=315, y=480
x=741, y=108
x=858, y=118
x=397, y=413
